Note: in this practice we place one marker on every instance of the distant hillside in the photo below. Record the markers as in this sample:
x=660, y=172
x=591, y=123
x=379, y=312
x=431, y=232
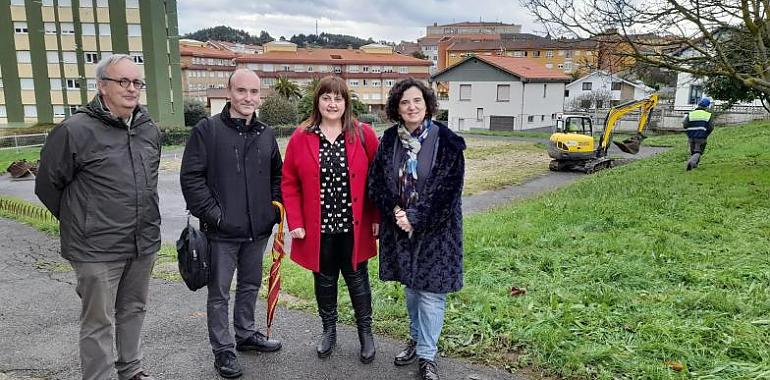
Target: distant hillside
x=226, y=33
x=331, y=41
x=324, y=40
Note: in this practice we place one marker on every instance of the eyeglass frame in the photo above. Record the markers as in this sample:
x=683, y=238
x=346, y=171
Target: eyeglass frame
x=138, y=83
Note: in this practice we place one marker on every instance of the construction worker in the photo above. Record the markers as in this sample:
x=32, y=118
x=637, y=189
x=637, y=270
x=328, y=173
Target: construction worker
x=698, y=124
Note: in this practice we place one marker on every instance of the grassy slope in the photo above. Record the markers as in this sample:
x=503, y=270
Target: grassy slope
x=629, y=269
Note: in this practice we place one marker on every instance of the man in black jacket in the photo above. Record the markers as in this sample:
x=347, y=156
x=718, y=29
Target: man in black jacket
x=99, y=176
x=231, y=173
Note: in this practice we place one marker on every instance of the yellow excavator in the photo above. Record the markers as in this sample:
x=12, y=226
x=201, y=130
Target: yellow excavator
x=572, y=143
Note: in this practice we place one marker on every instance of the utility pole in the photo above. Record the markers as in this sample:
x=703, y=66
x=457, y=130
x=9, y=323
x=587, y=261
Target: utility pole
x=316, y=27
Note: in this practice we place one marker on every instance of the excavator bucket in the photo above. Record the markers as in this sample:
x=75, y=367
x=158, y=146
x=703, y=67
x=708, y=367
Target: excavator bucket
x=632, y=144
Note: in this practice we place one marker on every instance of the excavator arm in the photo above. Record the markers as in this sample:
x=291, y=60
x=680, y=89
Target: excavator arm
x=632, y=144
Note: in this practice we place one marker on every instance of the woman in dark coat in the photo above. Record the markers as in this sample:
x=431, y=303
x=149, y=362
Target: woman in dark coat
x=416, y=181
x=332, y=223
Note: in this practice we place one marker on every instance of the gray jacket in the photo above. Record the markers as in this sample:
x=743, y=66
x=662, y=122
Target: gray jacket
x=99, y=177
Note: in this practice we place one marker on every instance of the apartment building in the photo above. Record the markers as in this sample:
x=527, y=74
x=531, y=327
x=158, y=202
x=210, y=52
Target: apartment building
x=205, y=66
x=568, y=56
x=436, y=35
x=370, y=71
x=52, y=48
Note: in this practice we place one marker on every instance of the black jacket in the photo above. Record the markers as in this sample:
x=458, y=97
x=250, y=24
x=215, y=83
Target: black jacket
x=432, y=260
x=99, y=177
x=230, y=175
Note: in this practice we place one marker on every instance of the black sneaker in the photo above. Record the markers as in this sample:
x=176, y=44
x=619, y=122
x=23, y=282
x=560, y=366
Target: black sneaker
x=259, y=342
x=227, y=365
x=428, y=370
x=408, y=355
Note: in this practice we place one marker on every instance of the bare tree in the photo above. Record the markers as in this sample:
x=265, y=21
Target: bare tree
x=706, y=38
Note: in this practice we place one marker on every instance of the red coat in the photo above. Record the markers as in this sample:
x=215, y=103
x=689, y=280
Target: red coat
x=301, y=188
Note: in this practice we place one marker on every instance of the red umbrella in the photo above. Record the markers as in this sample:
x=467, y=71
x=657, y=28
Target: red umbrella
x=274, y=281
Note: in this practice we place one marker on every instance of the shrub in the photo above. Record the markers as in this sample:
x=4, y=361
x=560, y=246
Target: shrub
x=369, y=118
x=194, y=110
x=175, y=136
x=277, y=110
x=442, y=115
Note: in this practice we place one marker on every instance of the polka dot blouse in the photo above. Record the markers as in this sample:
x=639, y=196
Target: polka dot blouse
x=336, y=209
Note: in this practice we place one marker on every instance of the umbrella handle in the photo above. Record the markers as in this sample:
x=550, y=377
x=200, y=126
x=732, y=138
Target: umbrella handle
x=283, y=213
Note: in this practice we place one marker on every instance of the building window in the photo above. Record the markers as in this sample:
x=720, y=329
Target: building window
x=587, y=86
x=616, y=86
x=352, y=68
x=403, y=70
x=549, y=54
x=549, y=66
x=91, y=84
x=138, y=58
x=65, y=3
x=389, y=82
x=567, y=66
x=88, y=29
x=27, y=84
x=50, y=27
x=20, y=28
x=465, y=92
x=376, y=69
x=300, y=68
x=566, y=93
x=73, y=109
x=86, y=3
x=268, y=82
x=560, y=66
x=102, y=3
x=479, y=114
x=696, y=92
x=55, y=84
x=536, y=54
x=387, y=69
x=365, y=69
x=69, y=57
x=599, y=103
x=134, y=30
x=104, y=30
x=364, y=82
x=518, y=53
x=23, y=56
x=17, y=2
x=30, y=111
x=542, y=117
x=353, y=82
x=310, y=69
x=73, y=84
x=66, y=28
x=568, y=54
x=132, y=3
x=2, y=112
x=58, y=111
x=92, y=57
x=531, y=119
x=545, y=89
x=286, y=68
x=376, y=83
x=503, y=92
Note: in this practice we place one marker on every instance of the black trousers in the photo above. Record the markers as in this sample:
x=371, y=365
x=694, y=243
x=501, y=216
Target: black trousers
x=697, y=145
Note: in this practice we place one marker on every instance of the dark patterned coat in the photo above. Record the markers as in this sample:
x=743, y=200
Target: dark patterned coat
x=432, y=260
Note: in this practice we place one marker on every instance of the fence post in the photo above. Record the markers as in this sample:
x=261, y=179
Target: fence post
x=16, y=143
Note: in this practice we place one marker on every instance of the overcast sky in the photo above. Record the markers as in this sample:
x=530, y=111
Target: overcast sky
x=391, y=20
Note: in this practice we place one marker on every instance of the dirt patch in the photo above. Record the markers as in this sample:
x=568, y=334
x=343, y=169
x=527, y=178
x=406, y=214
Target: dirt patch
x=493, y=164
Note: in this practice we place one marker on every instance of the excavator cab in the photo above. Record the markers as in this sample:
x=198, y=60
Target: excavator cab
x=572, y=143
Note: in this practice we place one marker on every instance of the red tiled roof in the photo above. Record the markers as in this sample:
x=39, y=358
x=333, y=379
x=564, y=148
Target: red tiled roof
x=200, y=51
x=525, y=68
x=332, y=57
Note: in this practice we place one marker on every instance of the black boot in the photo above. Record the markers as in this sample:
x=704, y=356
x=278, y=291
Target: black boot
x=326, y=297
x=361, y=298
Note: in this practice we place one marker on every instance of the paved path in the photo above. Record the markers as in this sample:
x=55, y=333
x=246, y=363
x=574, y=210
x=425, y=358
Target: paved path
x=39, y=313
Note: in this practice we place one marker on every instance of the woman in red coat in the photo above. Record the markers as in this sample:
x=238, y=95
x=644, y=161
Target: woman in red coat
x=332, y=223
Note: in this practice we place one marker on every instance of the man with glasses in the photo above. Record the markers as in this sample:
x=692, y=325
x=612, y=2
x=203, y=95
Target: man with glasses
x=99, y=176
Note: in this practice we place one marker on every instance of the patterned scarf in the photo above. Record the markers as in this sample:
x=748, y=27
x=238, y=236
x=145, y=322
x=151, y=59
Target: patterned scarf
x=407, y=173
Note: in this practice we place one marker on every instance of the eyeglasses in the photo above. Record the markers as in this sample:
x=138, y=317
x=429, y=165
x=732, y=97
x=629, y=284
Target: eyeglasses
x=124, y=82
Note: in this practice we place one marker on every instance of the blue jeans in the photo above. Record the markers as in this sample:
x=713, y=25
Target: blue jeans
x=426, y=319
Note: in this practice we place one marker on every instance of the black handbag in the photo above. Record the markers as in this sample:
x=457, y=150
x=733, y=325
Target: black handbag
x=194, y=257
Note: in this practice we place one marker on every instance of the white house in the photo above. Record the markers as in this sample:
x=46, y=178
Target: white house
x=689, y=90
x=502, y=93
x=598, y=87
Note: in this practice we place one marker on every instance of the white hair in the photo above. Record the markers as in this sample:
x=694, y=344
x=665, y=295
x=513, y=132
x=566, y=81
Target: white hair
x=101, y=67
